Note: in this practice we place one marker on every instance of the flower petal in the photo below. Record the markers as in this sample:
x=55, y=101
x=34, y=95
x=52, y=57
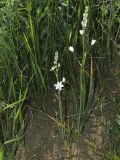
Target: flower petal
x=71, y=49
x=93, y=42
x=63, y=79
x=81, y=32
x=52, y=68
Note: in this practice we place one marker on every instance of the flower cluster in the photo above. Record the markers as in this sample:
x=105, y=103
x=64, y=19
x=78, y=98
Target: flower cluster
x=84, y=21
x=56, y=64
x=59, y=85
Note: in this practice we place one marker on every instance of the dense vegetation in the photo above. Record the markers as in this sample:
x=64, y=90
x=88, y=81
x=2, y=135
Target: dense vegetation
x=56, y=49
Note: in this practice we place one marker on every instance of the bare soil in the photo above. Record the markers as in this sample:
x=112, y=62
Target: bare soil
x=42, y=141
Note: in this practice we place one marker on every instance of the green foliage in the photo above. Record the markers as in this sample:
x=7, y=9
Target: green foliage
x=30, y=33
x=114, y=130
x=1, y=153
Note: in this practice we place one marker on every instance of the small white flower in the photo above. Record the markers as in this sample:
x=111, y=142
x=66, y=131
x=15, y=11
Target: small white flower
x=52, y=68
x=59, y=86
x=81, y=32
x=93, y=42
x=60, y=8
x=58, y=65
x=56, y=55
x=63, y=79
x=84, y=23
x=86, y=8
x=71, y=49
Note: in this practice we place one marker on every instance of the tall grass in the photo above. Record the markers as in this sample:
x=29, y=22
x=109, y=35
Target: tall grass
x=14, y=91
x=30, y=33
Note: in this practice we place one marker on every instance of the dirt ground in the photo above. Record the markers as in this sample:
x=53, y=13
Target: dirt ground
x=43, y=143
x=42, y=140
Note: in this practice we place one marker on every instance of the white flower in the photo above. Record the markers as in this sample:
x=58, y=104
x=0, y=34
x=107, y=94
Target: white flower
x=58, y=65
x=56, y=56
x=60, y=8
x=86, y=8
x=84, y=23
x=71, y=49
x=59, y=86
x=52, y=68
x=81, y=32
x=93, y=42
x=63, y=79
